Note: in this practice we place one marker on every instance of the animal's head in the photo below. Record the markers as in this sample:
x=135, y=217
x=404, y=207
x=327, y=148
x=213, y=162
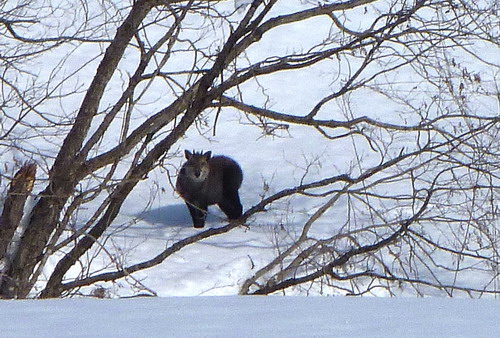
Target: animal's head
x=196, y=168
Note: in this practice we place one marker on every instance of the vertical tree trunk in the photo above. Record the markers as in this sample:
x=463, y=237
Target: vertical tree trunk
x=13, y=207
x=12, y=213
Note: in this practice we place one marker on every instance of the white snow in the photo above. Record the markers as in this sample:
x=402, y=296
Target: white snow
x=251, y=317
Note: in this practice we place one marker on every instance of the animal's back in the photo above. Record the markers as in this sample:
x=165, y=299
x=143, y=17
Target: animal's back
x=226, y=172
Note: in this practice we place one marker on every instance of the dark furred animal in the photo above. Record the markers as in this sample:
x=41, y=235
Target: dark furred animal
x=204, y=180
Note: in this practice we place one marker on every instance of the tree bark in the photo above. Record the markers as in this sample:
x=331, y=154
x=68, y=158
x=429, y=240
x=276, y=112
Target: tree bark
x=13, y=207
x=12, y=213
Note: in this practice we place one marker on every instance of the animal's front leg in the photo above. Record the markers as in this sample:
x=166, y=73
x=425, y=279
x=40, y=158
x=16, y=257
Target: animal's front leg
x=198, y=213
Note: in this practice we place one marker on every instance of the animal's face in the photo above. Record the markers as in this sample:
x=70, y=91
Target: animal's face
x=196, y=167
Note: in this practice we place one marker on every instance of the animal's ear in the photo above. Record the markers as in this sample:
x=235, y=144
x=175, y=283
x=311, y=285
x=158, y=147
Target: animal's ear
x=207, y=155
x=187, y=154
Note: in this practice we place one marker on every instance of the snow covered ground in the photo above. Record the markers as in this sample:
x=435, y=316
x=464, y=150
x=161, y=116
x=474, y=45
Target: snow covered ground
x=251, y=317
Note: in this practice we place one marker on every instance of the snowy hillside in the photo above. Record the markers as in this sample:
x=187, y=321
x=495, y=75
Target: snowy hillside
x=251, y=317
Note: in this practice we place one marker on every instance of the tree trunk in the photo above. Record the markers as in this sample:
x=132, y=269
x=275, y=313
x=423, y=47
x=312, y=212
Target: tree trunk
x=19, y=190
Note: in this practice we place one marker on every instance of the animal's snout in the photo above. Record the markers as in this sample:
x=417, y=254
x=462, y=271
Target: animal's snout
x=197, y=173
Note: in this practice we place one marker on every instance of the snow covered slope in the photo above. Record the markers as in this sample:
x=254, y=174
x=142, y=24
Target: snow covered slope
x=251, y=317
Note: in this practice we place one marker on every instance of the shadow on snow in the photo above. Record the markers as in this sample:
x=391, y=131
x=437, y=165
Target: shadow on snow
x=173, y=215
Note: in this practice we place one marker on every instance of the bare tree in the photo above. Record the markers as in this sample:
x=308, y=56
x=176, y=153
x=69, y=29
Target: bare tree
x=439, y=226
